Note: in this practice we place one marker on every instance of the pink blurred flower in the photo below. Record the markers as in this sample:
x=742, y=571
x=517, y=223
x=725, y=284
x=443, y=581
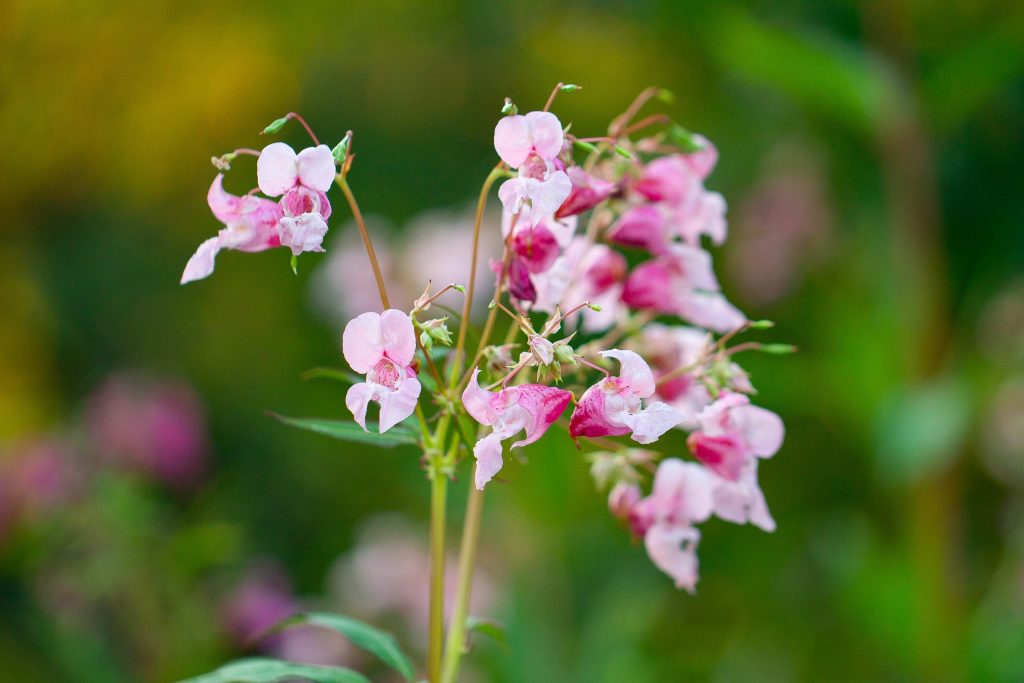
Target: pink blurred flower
x=642, y=226
x=41, y=476
x=153, y=427
x=529, y=407
x=382, y=346
x=613, y=406
x=585, y=272
x=262, y=599
x=672, y=347
x=250, y=224
x=587, y=192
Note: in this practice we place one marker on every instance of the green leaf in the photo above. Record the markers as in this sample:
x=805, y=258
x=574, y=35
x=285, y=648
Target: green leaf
x=333, y=373
x=362, y=635
x=399, y=435
x=295, y=264
x=265, y=670
x=487, y=627
x=276, y=125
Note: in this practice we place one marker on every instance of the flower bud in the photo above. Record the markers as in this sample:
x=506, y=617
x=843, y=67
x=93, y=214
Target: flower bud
x=276, y=125
x=564, y=353
x=437, y=330
x=509, y=108
x=622, y=498
x=340, y=150
x=542, y=350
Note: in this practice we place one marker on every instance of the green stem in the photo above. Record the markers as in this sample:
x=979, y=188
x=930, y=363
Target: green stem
x=438, y=495
x=455, y=645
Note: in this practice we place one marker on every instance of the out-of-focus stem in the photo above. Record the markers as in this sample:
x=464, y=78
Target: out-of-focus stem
x=455, y=643
x=481, y=203
x=438, y=496
x=365, y=235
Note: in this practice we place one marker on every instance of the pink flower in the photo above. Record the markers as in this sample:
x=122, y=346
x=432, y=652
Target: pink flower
x=249, y=225
x=587, y=192
x=669, y=179
x=704, y=214
x=612, y=407
x=622, y=498
x=681, y=497
x=529, y=407
x=544, y=192
x=518, y=137
x=733, y=435
x=642, y=226
x=668, y=349
x=382, y=346
x=585, y=272
x=682, y=283
x=303, y=179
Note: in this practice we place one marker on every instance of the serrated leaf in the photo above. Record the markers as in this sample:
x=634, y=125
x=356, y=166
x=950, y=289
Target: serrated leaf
x=487, y=627
x=399, y=435
x=265, y=670
x=379, y=643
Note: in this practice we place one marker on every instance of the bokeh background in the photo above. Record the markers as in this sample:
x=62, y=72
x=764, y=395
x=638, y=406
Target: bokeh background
x=150, y=512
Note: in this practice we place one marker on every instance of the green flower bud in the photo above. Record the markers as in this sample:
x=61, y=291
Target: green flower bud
x=276, y=125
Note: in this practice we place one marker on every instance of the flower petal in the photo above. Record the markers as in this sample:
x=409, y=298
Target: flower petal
x=724, y=454
x=276, y=169
x=543, y=405
x=545, y=133
x=487, y=452
x=301, y=234
x=683, y=492
x=356, y=400
x=512, y=140
x=547, y=195
x=650, y=423
x=477, y=401
x=398, y=336
x=590, y=418
x=201, y=263
x=711, y=310
x=314, y=167
x=362, y=343
x=762, y=429
x=673, y=550
x=399, y=404
x=634, y=370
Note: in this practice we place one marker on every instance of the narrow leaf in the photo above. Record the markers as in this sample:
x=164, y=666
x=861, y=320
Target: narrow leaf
x=264, y=670
x=362, y=635
x=333, y=373
x=399, y=435
x=487, y=627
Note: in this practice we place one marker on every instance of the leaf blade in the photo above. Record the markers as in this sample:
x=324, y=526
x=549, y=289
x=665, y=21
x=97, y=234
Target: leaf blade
x=343, y=430
x=266, y=670
x=375, y=641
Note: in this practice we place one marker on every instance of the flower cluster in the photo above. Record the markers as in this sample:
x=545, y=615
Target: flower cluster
x=298, y=220
x=612, y=248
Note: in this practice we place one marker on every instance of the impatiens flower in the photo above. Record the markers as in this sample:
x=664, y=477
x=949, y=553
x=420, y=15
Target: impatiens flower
x=682, y=283
x=302, y=179
x=529, y=407
x=733, y=435
x=681, y=497
x=544, y=193
x=382, y=346
x=587, y=192
x=518, y=137
x=642, y=226
x=622, y=498
x=585, y=272
x=669, y=348
x=613, y=406
x=249, y=225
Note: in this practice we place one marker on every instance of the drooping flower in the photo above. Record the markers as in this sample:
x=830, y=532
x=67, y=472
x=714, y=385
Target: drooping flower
x=250, y=224
x=614, y=406
x=584, y=272
x=529, y=407
x=682, y=496
x=382, y=346
x=643, y=226
x=669, y=349
x=301, y=180
x=587, y=192
x=733, y=435
x=681, y=282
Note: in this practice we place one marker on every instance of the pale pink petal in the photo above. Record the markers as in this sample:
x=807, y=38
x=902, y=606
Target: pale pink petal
x=224, y=205
x=673, y=550
x=683, y=492
x=711, y=310
x=623, y=498
x=398, y=404
x=512, y=193
x=398, y=335
x=362, y=343
x=761, y=428
x=275, y=169
x=512, y=140
x=477, y=401
x=487, y=452
x=703, y=162
x=649, y=424
x=301, y=234
x=357, y=398
x=315, y=167
x=547, y=195
x=634, y=370
x=694, y=266
x=743, y=501
x=201, y=263
x=545, y=133
x=543, y=405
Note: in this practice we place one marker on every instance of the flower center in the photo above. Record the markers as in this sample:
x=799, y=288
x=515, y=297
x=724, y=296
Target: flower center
x=386, y=372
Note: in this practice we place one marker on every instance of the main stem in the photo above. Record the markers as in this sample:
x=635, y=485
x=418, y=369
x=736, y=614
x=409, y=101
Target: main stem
x=455, y=645
x=438, y=494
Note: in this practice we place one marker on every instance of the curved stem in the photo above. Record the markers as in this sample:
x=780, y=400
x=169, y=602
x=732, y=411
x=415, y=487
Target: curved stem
x=455, y=644
x=438, y=494
x=365, y=235
x=481, y=203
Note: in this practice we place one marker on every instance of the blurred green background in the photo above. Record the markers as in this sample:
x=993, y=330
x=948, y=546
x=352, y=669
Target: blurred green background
x=870, y=153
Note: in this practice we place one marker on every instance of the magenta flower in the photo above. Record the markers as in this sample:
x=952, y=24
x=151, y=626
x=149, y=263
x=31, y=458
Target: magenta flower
x=585, y=272
x=382, y=346
x=644, y=227
x=587, y=192
x=683, y=495
x=529, y=407
x=249, y=225
x=613, y=406
x=733, y=436
x=682, y=283
x=302, y=179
